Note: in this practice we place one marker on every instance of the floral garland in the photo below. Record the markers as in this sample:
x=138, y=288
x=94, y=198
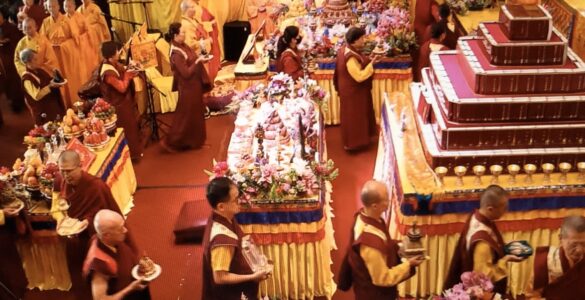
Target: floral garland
x=263, y=181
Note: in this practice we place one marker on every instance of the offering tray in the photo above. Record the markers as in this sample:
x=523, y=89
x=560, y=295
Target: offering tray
x=153, y=276
x=519, y=248
x=74, y=227
x=98, y=147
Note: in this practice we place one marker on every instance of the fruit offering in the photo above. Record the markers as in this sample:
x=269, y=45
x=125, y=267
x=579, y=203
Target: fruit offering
x=37, y=135
x=72, y=125
x=33, y=169
x=47, y=176
x=5, y=174
x=95, y=135
x=104, y=111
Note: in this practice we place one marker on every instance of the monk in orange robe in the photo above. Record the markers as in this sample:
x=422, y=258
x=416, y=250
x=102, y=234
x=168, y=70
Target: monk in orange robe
x=96, y=23
x=117, y=89
x=86, y=195
x=353, y=81
x=191, y=80
x=289, y=57
x=9, y=79
x=90, y=54
x=57, y=29
x=559, y=271
x=481, y=247
x=110, y=260
x=31, y=10
x=37, y=42
x=206, y=33
x=372, y=264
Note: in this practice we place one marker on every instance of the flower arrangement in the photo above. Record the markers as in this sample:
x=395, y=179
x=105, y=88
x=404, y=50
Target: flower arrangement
x=253, y=94
x=462, y=7
x=473, y=286
x=311, y=90
x=264, y=181
x=394, y=27
x=280, y=86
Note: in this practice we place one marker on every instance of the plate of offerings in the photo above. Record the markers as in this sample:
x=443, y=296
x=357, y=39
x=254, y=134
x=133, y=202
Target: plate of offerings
x=519, y=248
x=146, y=269
x=71, y=226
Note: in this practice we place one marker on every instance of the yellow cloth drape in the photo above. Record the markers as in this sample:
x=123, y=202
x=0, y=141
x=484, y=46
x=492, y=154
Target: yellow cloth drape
x=44, y=259
x=301, y=270
x=161, y=13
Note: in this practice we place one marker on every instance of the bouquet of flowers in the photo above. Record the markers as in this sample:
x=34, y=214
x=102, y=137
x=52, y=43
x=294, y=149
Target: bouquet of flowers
x=473, y=286
x=394, y=27
x=311, y=90
x=325, y=171
x=254, y=94
x=280, y=86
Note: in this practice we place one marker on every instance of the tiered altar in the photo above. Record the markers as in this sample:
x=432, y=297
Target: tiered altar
x=504, y=108
x=277, y=157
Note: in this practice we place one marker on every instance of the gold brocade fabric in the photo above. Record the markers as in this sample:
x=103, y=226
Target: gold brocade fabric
x=44, y=258
x=472, y=19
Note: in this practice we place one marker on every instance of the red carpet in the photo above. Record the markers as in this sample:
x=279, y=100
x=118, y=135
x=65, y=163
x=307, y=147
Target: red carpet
x=167, y=180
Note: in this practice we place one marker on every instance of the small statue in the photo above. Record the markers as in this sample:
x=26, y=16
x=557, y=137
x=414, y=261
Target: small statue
x=259, y=134
x=412, y=244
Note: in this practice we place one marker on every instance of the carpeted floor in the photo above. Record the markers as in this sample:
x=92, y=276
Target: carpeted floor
x=166, y=181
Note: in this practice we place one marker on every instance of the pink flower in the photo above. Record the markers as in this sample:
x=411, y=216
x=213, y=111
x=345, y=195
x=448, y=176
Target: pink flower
x=220, y=169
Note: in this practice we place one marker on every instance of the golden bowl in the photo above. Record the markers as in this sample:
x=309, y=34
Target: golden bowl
x=548, y=168
x=513, y=169
x=460, y=170
x=565, y=167
x=496, y=170
x=478, y=170
x=529, y=169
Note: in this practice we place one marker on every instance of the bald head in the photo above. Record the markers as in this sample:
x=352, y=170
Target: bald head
x=29, y=27
x=573, y=223
x=373, y=192
x=185, y=5
x=106, y=221
x=70, y=157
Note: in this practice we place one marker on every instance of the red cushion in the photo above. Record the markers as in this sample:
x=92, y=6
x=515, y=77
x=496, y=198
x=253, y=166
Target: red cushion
x=191, y=221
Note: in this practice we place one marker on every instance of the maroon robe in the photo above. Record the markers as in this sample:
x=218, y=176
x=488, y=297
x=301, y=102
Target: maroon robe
x=211, y=290
x=462, y=260
x=290, y=63
x=570, y=285
x=35, y=12
x=424, y=60
x=9, y=78
x=191, y=80
x=117, y=266
x=85, y=199
x=354, y=270
x=450, y=36
x=425, y=11
x=118, y=91
x=358, y=124
x=11, y=273
x=51, y=107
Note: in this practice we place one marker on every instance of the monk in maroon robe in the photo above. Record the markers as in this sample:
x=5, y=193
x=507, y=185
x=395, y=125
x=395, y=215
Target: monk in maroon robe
x=9, y=37
x=289, y=58
x=11, y=274
x=445, y=20
x=372, y=264
x=353, y=81
x=559, y=271
x=117, y=89
x=226, y=274
x=436, y=43
x=191, y=80
x=41, y=92
x=86, y=195
x=33, y=11
x=425, y=14
x=480, y=247
x=110, y=260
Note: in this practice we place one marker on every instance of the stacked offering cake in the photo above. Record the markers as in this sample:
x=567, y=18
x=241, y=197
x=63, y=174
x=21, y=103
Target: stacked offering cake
x=337, y=12
x=513, y=95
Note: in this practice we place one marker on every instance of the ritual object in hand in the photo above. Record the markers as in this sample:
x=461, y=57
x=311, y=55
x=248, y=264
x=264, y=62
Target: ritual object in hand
x=146, y=267
x=57, y=77
x=519, y=248
x=412, y=244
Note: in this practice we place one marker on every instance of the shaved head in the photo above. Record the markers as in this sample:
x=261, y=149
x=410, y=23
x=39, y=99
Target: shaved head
x=493, y=196
x=573, y=223
x=373, y=192
x=70, y=157
x=106, y=221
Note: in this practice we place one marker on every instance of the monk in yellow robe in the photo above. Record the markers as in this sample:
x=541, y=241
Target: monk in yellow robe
x=37, y=42
x=207, y=34
x=79, y=27
x=97, y=26
x=57, y=29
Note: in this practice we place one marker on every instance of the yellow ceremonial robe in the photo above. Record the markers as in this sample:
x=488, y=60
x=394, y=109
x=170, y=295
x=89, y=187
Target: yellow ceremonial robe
x=90, y=54
x=58, y=32
x=44, y=50
x=97, y=26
